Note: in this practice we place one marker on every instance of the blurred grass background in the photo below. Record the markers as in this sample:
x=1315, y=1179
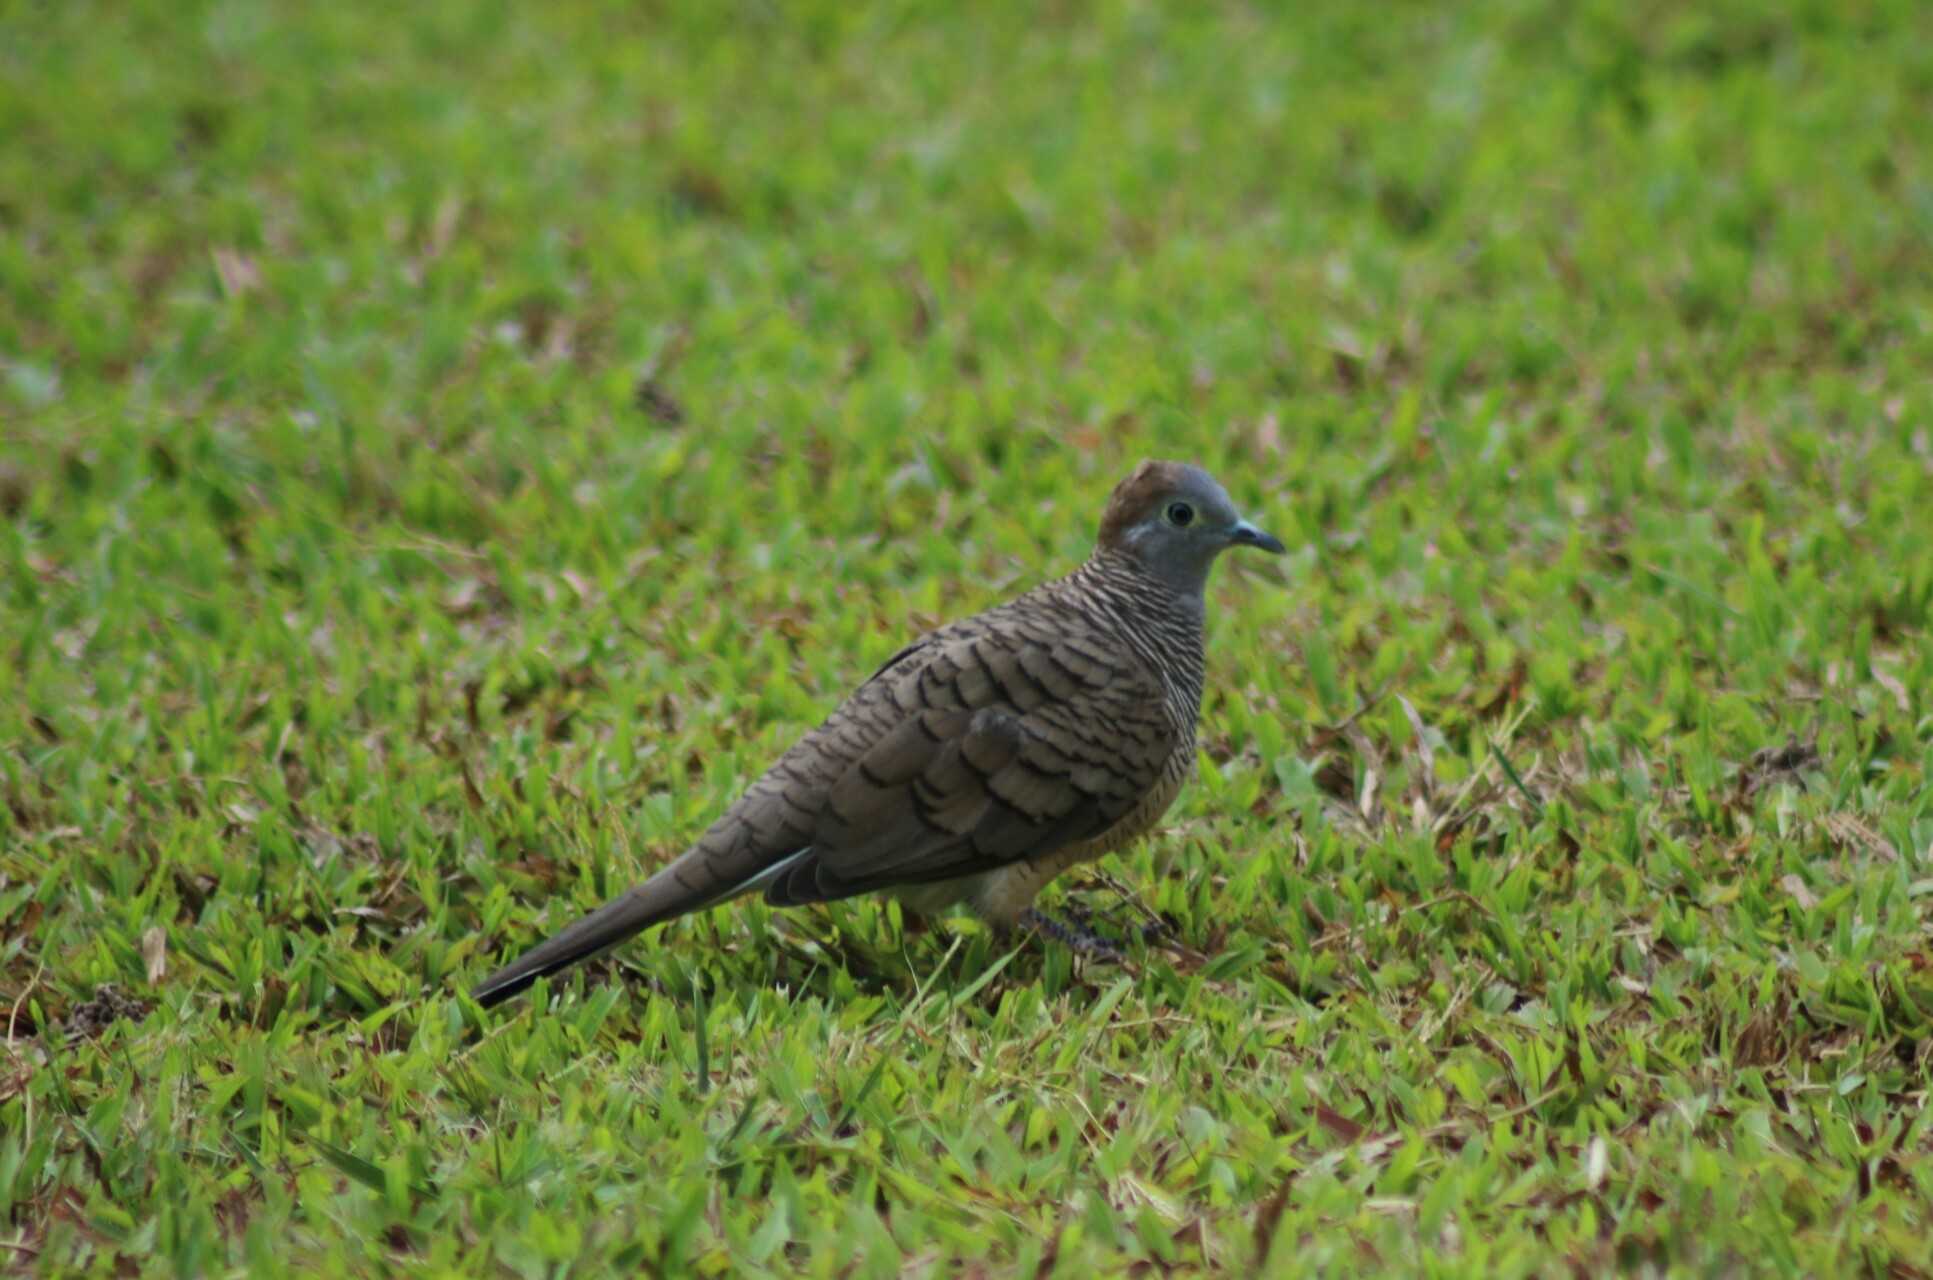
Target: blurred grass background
x=446, y=450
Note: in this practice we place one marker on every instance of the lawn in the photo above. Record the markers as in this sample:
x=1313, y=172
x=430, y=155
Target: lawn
x=447, y=450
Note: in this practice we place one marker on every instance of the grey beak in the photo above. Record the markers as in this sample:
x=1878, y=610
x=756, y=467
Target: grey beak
x=1247, y=535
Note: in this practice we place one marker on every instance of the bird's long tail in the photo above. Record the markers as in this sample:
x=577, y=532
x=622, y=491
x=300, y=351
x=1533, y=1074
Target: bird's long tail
x=664, y=896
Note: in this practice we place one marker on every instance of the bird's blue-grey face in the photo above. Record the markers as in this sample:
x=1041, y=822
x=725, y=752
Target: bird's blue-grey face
x=1175, y=519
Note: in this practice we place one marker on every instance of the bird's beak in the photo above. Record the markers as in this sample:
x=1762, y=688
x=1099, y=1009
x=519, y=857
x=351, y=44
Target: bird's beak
x=1245, y=534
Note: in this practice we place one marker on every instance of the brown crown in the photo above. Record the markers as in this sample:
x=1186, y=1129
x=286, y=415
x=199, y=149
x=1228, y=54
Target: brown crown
x=1137, y=495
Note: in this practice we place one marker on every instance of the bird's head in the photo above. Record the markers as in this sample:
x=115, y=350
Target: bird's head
x=1172, y=519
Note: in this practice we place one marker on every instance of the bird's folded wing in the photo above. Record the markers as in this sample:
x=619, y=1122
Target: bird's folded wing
x=1003, y=748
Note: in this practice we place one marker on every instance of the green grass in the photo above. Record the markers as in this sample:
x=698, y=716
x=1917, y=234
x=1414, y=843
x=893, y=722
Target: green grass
x=446, y=450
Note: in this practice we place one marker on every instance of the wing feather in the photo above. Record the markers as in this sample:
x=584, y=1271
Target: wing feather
x=1010, y=749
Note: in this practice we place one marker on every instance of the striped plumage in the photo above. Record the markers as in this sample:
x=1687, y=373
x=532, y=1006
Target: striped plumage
x=984, y=758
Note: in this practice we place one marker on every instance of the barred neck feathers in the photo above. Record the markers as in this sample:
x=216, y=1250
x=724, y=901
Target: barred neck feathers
x=1162, y=625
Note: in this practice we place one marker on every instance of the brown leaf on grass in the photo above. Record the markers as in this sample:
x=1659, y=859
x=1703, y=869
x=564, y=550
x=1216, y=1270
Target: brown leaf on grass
x=470, y=790
x=23, y=924
x=1513, y=685
x=1339, y=1124
x=701, y=192
x=1787, y=763
x=1268, y=1215
x=236, y=270
x=1848, y=831
x=656, y=403
x=1802, y=895
x=15, y=1082
x=1335, y=778
x=443, y=225
x=87, y=1020
x=1425, y=754
x=154, y=951
x=463, y=599
x=1268, y=437
x=1347, y=366
x=1891, y=684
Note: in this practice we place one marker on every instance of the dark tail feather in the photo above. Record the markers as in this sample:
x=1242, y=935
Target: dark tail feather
x=662, y=897
x=652, y=901
x=605, y=927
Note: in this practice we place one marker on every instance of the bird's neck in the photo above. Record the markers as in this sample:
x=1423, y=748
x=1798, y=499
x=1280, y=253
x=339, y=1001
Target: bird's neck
x=1159, y=621
x=1180, y=590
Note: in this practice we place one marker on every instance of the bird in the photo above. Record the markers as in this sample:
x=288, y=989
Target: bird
x=984, y=758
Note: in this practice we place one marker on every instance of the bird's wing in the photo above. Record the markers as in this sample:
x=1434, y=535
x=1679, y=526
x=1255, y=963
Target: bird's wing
x=1001, y=747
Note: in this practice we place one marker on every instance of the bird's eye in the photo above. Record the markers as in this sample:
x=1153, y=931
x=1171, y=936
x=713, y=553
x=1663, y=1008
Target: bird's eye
x=1180, y=515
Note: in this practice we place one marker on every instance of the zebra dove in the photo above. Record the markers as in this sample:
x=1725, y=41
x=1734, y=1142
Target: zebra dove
x=986, y=757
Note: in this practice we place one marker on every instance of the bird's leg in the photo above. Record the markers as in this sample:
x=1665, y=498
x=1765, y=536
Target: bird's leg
x=1150, y=928
x=1075, y=936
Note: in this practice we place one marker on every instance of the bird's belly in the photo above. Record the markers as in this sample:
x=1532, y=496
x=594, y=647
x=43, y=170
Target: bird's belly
x=1000, y=895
